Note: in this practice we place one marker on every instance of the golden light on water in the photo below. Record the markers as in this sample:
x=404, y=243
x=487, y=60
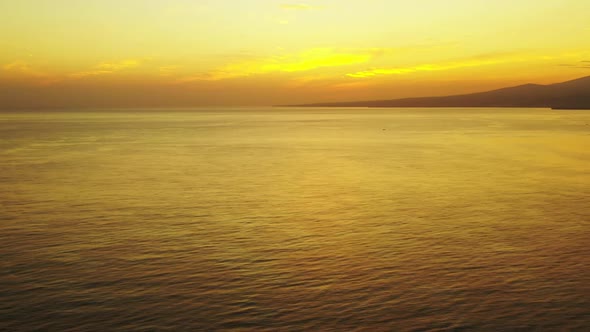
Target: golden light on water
x=295, y=219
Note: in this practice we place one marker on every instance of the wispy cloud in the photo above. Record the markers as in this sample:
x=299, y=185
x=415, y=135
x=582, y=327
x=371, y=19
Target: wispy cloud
x=167, y=70
x=309, y=60
x=24, y=69
x=304, y=61
x=584, y=64
x=352, y=85
x=106, y=68
x=476, y=61
x=299, y=6
x=17, y=66
x=422, y=67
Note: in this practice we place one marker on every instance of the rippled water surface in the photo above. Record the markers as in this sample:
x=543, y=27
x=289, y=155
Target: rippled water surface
x=295, y=220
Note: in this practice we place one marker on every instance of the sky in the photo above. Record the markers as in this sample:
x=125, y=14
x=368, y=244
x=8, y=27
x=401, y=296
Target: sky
x=181, y=53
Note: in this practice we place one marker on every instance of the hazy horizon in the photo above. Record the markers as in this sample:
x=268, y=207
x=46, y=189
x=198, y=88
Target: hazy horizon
x=139, y=105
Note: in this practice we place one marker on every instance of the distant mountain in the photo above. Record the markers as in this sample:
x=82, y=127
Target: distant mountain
x=573, y=94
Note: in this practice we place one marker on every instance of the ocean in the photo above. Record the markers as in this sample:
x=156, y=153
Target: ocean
x=295, y=219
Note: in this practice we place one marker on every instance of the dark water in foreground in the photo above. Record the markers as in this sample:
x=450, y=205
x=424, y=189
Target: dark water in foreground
x=295, y=220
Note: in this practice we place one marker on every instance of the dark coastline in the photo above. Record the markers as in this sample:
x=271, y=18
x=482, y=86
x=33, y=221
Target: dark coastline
x=574, y=94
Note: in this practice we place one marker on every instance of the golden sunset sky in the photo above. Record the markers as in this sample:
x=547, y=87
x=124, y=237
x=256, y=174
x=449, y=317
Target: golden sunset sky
x=152, y=53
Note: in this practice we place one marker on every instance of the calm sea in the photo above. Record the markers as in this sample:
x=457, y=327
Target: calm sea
x=295, y=220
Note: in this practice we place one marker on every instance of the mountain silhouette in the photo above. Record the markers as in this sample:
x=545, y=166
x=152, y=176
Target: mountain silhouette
x=574, y=94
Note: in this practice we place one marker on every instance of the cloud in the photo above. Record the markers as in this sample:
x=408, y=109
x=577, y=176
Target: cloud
x=167, y=70
x=476, y=61
x=106, y=68
x=308, y=60
x=584, y=64
x=423, y=67
x=23, y=69
x=413, y=48
x=17, y=66
x=299, y=6
x=304, y=61
x=352, y=85
x=120, y=65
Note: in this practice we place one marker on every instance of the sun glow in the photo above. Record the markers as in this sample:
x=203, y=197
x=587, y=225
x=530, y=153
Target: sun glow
x=319, y=47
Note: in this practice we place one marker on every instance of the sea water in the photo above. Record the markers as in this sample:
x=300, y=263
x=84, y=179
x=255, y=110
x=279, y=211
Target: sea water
x=268, y=219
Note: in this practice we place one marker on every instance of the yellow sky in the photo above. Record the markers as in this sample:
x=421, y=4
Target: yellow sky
x=102, y=53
